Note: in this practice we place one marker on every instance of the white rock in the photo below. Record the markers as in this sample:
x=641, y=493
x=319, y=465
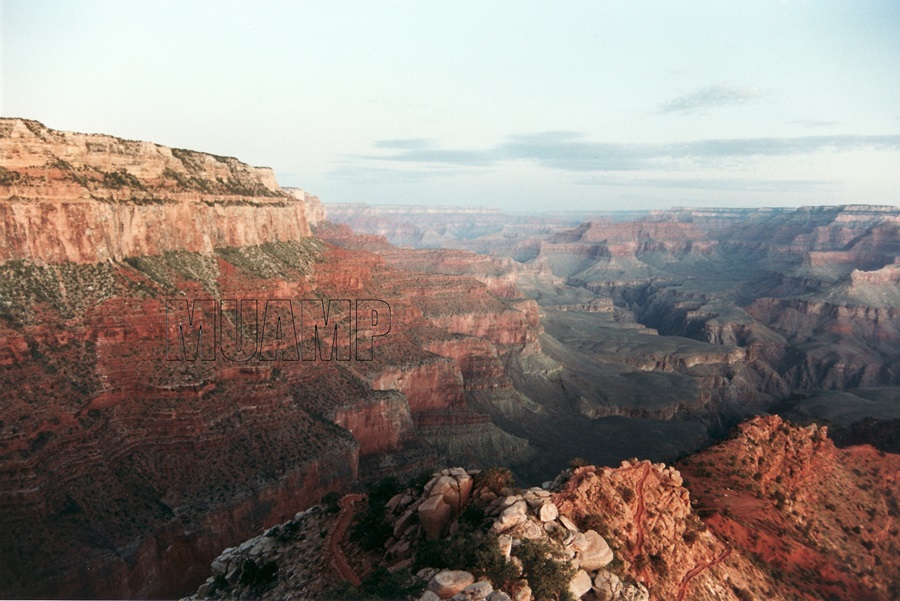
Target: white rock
x=579, y=542
x=443, y=484
x=548, y=512
x=429, y=596
x=498, y=596
x=607, y=586
x=634, y=592
x=449, y=582
x=596, y=554
x=505, y=543
x=570, y=526
x=512, y=516
x=219, y=567
x=580, y=584
x=474, y=592
x=532, y=530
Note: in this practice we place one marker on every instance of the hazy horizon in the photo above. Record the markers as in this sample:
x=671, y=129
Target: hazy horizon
x=584, y=107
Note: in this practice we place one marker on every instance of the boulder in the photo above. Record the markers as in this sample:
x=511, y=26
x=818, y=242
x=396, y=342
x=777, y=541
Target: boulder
x=548, y=512
x=577, y=542
x=498, y=596
x=477, y=591
x=505, y=543
x=634, y=592
x=403, y=521
x=465, y=488
x=443, y=486
x=434, y=516
x=570, y=526
x=580, y=584
x=394, y=502
x=447, y=583
x=607, y=586
x=429, y=596
x=596, y=554
x=512, y=516
x=532, y=530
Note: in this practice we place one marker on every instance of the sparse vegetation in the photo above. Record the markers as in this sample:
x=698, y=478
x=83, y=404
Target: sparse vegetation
x=330, y=502
x=371, y=530
x=577, y=462
x=496, y=479
x=122, y=179
x=547, y=570
x=258, y=579
x=8, y=178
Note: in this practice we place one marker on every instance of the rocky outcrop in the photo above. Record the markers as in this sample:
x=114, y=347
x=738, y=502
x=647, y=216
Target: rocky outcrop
x=634, y=532
x=69, y=197
x=777, y=491
x=315, y=212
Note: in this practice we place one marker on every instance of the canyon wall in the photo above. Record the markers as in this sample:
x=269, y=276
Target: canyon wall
x=121, y=471
x=87, y=198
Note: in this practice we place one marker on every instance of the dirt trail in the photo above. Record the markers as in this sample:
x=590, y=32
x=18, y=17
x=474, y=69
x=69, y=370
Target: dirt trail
x=682, y=588
x=337, y=534
x=639, y=512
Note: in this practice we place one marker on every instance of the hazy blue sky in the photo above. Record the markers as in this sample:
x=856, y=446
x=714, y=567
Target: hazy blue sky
x=581, y=105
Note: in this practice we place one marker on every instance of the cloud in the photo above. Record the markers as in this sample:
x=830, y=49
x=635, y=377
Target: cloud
x=568, y=151
x=781, y=146
x=403, y=143
x=466, y=158
x=814, y=123
x=722, y=184
x=709, y=98
x=571, y=151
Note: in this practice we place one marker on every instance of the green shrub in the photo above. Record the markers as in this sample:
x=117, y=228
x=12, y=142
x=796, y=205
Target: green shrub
x=258, y=578
x=547, y=570
x=384, y=584
x=330, y=502
x=419, y=481
x=491, y=564
x=454, y=553
x=471, y=517
x=626, y=492
x=121, y=179
x=471, y=551
x=496, y=479
x=371, y=530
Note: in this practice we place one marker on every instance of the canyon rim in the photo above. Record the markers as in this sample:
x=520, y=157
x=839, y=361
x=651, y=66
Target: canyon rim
x=650, y=400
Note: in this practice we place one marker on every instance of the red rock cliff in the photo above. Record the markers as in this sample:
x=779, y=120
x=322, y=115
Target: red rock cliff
x=85, y=198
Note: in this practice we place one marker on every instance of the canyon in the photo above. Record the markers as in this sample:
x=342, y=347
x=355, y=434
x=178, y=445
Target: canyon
x=523, y=341
x=731, y=311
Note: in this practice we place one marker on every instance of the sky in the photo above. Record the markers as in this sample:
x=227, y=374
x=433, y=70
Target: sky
x=522, y=106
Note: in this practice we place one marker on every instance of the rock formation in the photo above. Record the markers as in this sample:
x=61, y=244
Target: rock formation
x=122, y=472
x=68, y=197
x=767, y=514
